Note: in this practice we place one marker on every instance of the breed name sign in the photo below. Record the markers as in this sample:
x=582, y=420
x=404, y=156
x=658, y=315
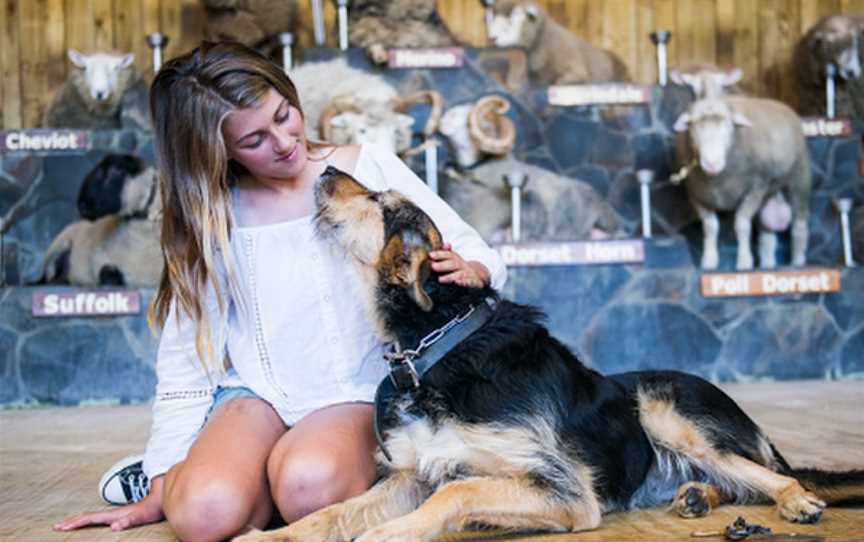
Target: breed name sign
x=825, y=127
x=572, y=253
x=765, y=283
x=44, y=141
x=611, y=93
x=447, y=57
x=86, y=303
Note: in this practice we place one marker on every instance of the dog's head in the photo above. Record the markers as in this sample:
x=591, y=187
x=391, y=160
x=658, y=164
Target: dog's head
x=388, y=236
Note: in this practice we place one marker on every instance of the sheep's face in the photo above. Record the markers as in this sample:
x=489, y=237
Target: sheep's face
x=391, y=130
x=711, y=128
x=454, y=126
x=101, y=72
x=514, y=28
x=838, y=42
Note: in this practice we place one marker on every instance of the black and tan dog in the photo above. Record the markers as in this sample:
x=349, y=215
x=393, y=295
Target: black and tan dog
x=509, y=429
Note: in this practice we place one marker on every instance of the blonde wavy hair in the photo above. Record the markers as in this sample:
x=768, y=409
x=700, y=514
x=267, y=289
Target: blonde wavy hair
x=190, y=98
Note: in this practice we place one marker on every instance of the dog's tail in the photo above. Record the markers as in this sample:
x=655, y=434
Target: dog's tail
x=833, y=487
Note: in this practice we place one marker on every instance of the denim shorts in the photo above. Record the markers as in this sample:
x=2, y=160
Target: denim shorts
x=223, y=394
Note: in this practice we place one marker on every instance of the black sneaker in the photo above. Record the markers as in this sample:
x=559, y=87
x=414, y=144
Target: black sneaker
x=125, y=482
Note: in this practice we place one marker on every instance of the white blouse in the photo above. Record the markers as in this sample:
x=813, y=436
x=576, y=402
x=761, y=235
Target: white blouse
x=306, y=342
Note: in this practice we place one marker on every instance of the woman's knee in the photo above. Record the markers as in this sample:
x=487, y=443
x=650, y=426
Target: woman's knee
x=202, y=507
x=303, y=482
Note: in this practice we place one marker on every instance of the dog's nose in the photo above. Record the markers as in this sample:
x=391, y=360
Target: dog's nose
x=329, y=172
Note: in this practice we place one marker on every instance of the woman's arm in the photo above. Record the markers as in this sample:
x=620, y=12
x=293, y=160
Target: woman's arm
x=469, y=254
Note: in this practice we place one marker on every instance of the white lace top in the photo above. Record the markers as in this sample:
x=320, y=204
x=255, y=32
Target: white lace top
x=306, y=342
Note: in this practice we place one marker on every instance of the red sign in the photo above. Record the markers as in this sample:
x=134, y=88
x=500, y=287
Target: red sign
x=572, y=253
x=44, y=140
x=825, y=127
x=609, y=93
x=765, y=283
x=86, y=303
x=446, y=57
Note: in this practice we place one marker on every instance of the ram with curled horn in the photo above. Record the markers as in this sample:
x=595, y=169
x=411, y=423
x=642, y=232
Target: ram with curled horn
x=479, y=129
x=347, y=119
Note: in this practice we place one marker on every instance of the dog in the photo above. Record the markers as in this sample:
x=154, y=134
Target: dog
x=508, y=428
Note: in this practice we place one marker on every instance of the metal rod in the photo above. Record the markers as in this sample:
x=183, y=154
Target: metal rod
x=488, y=15
x=516, y=181
x=343, y=23
x=645, y=178
x=318, y=22
x=157, y=41
x=431, y=154
x=287, y=40
x=844, y=206
x=830, y=74
x=660, y=38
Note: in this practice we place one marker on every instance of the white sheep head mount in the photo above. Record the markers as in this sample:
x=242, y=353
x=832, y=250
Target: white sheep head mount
x=711, y=124
x=478, y=129
x=347, y=119
x=706, y=81
x=102, y=73
x=512, y=23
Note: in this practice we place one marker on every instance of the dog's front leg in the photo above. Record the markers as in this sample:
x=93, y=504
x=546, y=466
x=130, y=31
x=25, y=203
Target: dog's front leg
x=509, y=502
x=392, y=497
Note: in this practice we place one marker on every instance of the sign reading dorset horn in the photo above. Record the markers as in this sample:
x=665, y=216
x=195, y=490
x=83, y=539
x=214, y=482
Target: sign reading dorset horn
x=765, y=283
x=60, y=141
x=86, y=303
x=572, y=253
x=446, y=57
x=825, y=127
x=608, y=93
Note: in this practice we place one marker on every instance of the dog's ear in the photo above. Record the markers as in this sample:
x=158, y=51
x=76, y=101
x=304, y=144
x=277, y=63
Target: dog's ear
x=407, y=267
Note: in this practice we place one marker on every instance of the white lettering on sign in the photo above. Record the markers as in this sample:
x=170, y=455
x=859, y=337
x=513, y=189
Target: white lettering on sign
x=572, y=95
x=448, y=57
x=43, y=140
x=766, y=283
x=821, y=126
x=97, y=303
x=573, y=253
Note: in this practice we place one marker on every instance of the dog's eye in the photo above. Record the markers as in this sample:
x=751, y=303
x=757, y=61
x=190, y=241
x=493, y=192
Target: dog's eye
x=373, y=197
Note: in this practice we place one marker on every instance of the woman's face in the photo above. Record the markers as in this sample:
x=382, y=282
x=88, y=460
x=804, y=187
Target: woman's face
x=267, y=139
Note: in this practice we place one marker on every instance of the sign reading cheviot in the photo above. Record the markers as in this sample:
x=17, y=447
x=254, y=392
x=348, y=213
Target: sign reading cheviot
x=86, y=303
x=766, y=283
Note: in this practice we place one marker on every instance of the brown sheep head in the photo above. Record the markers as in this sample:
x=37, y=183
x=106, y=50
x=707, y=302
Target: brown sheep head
x=837, y=39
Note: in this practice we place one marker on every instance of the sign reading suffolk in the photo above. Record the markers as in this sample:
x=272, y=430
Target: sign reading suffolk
x=446, y=57
x=572, y=253
x=607, y=93
x=46, y=140
x=765, y=283
x=86, y=303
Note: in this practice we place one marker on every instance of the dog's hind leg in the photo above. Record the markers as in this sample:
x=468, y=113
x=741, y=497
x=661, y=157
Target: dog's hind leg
x=394, y=496
x=738, y=476
x=501, y=502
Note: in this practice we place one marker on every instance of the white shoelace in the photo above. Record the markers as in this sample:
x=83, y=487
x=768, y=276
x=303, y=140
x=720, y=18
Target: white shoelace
x=139, y=486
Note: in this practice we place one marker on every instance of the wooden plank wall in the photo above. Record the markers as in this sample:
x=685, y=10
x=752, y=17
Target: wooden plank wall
x=755, y=35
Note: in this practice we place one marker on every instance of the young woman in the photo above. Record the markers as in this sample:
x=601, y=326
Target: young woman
x=267, y=364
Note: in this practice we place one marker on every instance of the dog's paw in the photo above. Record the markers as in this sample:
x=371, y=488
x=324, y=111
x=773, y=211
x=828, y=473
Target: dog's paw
x=800, y=506
x=695, y=500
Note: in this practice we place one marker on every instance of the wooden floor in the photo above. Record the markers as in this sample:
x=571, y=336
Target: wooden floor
x=51, y=460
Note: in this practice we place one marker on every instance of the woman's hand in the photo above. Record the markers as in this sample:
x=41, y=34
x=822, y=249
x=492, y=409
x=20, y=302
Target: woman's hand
x=453, y=268
x=148, y=510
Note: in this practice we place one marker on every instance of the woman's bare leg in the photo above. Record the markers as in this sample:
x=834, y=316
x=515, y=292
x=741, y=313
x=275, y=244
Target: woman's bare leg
x=221, y=488
x=325, y=458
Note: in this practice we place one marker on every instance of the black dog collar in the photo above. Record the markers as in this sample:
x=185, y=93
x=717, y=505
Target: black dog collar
x=407, y=367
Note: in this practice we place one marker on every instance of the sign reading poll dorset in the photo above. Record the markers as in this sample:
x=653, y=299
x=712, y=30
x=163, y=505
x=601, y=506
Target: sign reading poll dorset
x=765, y=283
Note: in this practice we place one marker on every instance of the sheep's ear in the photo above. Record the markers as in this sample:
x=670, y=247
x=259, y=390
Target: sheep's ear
x=732, y=77
x=127, y=60
x=740, y=120
x=692, y=81
x=682, y=123
x=77, y=59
